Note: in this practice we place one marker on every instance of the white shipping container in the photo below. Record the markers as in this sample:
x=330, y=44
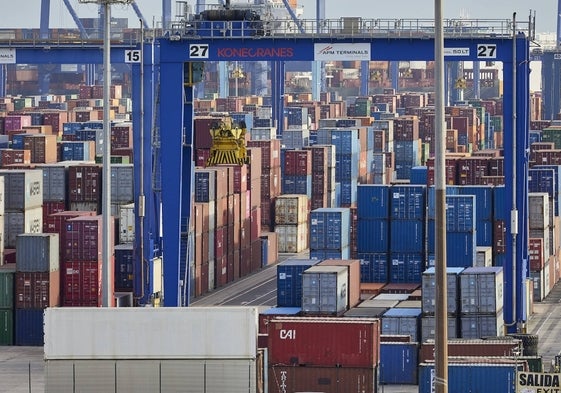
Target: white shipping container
x=18, y=222
x=292, y=238
x=175, y=333
x=324, y=290
x=37, y=252
x=484, y=256
x=291, y=209
x=23, y=188
x=538, y=210
x=126, y=223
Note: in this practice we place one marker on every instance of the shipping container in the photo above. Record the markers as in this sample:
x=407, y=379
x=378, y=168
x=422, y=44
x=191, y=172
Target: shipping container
x=54, y=183
x=127, y=223
x=35, y=290
x=452, y=290
x=484, y=348
x=283, y=378
x=292, y=238
x=324, y=290
x=374, y=267
x=398, y=363
x=477, y=377
x=96, y=333
x=482, y=325
x=6, y=326
x=326, y=342
x=408, y=202
x=289, y=281
x=29, y=327
x=18, y=222
x=37, y=252
x=23, y=189
x=428, y=327
x=205, y=185
x=291, y=209
x=329, y=228
x=405, y=321
x=84, y=183
x=407, y=236
x=373, y=235
x=406, y=267
x=481, y=290
x=124, y=267
x=353, y=284
x=82, y=283
x=122, y=183
x=83, y=238
x=7, y=286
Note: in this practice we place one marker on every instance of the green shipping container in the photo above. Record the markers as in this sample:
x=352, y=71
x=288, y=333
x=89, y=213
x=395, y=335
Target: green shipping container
x=6, y=327
x=7, y=287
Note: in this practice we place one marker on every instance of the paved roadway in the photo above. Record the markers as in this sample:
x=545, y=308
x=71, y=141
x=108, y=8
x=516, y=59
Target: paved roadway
x=22, y=368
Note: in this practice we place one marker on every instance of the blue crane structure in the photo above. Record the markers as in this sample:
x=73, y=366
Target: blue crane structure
x=178, y=67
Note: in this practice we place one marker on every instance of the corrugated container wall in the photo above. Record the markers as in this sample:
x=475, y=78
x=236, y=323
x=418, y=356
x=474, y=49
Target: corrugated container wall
x=329, y=228
x=398, y=363
x=23, y=189
x=37, y=252
x=54, y=183
x=324, y=290
x=481, y=290
x=289, y=281
x=122, y=183
x=353, y=284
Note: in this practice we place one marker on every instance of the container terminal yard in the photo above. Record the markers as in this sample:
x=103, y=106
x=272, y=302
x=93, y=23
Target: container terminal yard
x=273, y=209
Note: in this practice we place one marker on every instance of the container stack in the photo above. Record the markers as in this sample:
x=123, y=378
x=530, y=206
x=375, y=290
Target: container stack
x=37, y=284
x=54, y=191
x=539, y=220
x=461, y=237
x=481, y=304
x=483, y=211
x=84, y=193
x=122, y=187
x=323, y=176
x=347, y=151
x=407, y=233
x=323, y=354
x=406, y=145
x=330, y=233
x=82, y=262
x=270, y=179
x=402, y=322
x=7, y=304
x=297, y=172
x=291, y=222
x=373, y=210
x=23, y=211
x=539, y=272
x=124, y=268
x=296, y=133
x=428, y=322
x=382, y=165
x=43, y=148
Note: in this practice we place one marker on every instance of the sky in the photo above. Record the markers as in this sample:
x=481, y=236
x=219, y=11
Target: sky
x=546, y=11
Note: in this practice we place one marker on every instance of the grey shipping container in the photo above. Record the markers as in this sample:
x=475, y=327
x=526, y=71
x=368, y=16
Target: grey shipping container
x=54, y=183
x=538, y=206
x=37, y=252
x=452, y=289
x=324, y=290
x=428, y=327
x=23, y=189
x=18, y=222
x=122, y=183
x=481, y=325
x=402, y=321
x=481, y=289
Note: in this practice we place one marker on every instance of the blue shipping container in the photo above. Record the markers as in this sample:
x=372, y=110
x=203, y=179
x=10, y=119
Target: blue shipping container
x=124, y=267
x=4, y=141
x=29, y=327
x=500, y=209
x=470, y=378
x=483, y=200
x=373, y=201
x=345, y=141
x=289, y=281
x=346, y=166
x=460, y=213
x=330, y=228
x=408, y=202
x=348, y=192
x=419, y=175
x=407, y=236
x=373, y=267
x=373, y=235
x=344, y=253
x=557, y=188
x=461, y=249
x=205, y=185
x=398, y=363
x=406, y=267
x=431, y=199
x=296, y=184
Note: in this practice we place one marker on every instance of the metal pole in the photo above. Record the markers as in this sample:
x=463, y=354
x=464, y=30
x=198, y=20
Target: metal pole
x=106, y=173
x=441, y=305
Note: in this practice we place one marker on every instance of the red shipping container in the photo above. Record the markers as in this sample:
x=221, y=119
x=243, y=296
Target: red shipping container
x=14, y=156
x=219, y=243
x=245, y=261
x=221, y=274
x=83, y=238
x=37, y=289
x=340, y=342
x=201, y=157
x=270, y=152
x=50, y=207
x=230, y=266
x=473, y=348
x=256, y=255
x=284, y=379
x=535, y=254
x=255, y=223
x=201, y=279
x=82, y=283
x=84, y=183
x=298, y=162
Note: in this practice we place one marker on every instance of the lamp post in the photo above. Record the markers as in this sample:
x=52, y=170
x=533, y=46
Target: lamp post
x=106, y=165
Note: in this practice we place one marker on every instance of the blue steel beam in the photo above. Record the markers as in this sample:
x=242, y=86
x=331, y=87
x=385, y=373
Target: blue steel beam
x=44, y=23
x=77, y=21
x=293, y=16
x=166, y=13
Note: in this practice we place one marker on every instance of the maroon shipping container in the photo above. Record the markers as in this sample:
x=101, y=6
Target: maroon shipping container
x=14, y=156
x=37, y=289
x=56, y=120
x=201, y=279
x=298, y=162
x=450, y=171
x=547, y=157
x=535, y=254
x=84, y=183
x=255, y=223
x=201, y=157
x=256, y=255
x=50, y=207
x=221, y=273
x=471, y=170
x=121, y=136
x=83, y=239
x=245, y=261
x=56, y=222
x=219, y=242
x=404, y=288
x=16, y=122
x=342, y=342
x=499, y=237
x=496, y=166
x=475, y=347
x=9, y=255
x=283, y=379
x=81, y=282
